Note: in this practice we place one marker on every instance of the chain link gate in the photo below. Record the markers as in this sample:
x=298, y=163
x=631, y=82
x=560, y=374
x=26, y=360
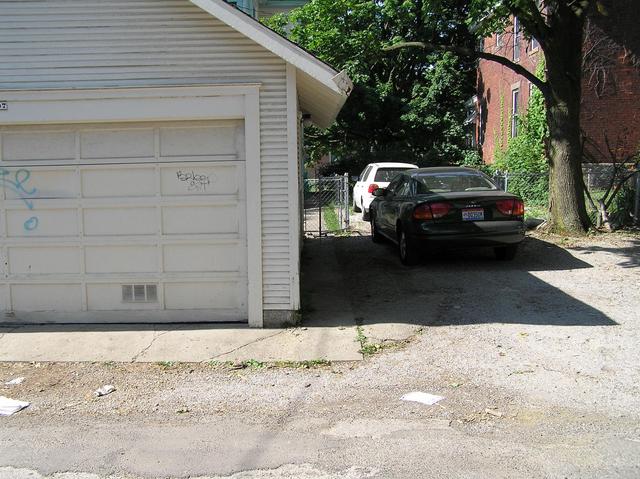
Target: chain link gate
x=326, y=205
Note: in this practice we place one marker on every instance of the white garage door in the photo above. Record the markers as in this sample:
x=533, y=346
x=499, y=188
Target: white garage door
x=124, y=222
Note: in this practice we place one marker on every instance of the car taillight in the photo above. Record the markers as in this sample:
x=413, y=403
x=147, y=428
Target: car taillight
x=518, y=208
x=373, y=187
x=514, y=207
x=431, y=211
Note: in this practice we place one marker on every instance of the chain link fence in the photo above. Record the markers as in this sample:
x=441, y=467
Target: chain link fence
x=326, y=205
x=533, y=188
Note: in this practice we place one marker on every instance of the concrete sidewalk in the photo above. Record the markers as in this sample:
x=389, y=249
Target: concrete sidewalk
x=184, y=343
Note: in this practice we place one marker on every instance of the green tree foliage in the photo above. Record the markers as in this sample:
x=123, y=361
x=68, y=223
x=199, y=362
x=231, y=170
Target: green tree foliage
x=525, y=156
x=525, y=153
x=405, y=106
x=558, y=26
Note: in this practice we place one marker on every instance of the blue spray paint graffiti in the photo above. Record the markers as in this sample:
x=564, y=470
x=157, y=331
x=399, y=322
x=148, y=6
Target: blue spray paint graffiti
x=31, y=223
x=18, y=184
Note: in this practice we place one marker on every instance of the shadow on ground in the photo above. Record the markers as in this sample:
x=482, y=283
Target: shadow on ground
x=447, y=287
x=629, y=255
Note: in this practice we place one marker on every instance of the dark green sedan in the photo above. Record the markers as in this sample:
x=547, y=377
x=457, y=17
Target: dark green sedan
x=448, y=206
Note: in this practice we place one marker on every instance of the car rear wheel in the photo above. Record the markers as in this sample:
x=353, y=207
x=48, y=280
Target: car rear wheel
x=375, y=234
x=506, y=253
x=408, y=250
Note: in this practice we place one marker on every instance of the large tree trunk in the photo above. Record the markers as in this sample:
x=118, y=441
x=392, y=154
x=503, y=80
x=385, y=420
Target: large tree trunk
x=566, y=191
x=563, y=55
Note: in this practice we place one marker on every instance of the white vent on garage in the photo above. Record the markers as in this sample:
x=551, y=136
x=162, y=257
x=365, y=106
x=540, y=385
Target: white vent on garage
x=139, y=293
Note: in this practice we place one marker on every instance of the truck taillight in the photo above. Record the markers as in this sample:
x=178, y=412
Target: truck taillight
x=372, y=187
x=511, y=207
x=431, y=211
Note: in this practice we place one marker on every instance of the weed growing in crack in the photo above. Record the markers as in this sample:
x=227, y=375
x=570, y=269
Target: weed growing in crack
x=308, y=364
x=368, y=348
x=167, y=364
x=253, y=364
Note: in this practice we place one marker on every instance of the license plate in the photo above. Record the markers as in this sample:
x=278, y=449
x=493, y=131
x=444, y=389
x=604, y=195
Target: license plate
x=473, y=214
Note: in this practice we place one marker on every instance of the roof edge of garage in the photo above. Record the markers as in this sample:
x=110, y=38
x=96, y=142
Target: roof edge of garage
x=338, y=83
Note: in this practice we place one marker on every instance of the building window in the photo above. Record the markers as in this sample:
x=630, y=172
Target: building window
x=515, y=99
x=534, y=44
x=246, y=6
x=499, y=40
x=516, y=39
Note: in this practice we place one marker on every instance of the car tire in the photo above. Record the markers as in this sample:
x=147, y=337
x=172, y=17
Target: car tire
x=376, y=237
x=506, y=253
x=407, y=249
x=356, y=209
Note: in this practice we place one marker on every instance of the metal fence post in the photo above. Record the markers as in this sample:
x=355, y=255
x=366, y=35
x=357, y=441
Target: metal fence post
x=636, y=210
x=346, y=200
x=319, y=197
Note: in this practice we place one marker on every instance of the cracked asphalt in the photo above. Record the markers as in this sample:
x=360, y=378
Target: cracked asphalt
x=537, y=360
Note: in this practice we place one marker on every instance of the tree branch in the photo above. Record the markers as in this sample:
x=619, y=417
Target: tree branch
x=467, y=52
x=532, y=20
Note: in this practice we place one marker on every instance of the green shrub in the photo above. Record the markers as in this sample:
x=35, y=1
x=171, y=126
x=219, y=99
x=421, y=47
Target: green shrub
x=524, y=157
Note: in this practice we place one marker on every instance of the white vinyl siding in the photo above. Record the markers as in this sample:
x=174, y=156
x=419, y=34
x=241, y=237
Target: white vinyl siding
x=62, y=44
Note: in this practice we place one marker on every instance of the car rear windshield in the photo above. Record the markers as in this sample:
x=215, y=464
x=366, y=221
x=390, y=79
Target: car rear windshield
x=387, y=174
x=453, y=183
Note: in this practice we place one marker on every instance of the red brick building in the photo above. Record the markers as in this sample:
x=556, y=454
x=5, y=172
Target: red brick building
x=610, y=87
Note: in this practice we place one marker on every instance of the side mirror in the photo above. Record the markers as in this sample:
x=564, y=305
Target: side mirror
x=379, y=192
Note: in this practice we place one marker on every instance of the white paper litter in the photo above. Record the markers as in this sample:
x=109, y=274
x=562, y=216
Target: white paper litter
x=104, y=390
x=11, y=406
x=424, y=398
x=14, y=381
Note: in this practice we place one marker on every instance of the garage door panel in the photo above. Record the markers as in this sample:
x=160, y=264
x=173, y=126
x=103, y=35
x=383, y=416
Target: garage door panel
x=124, y=143
x=41, y=184
x=200, y=219
x=198, y=141
x=46, y=297
x=43, y=260
x=213, y=258
x=201, y=179
x=120, y=221
x=50, y=222
x=118, y=182
x=205, y=295
x=38, y=145
x=121, y=259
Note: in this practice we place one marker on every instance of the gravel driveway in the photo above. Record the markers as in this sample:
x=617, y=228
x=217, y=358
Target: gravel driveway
x=537, y=359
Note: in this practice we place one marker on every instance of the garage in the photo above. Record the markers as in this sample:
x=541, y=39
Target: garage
x=144, y=217
x=150, y=162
